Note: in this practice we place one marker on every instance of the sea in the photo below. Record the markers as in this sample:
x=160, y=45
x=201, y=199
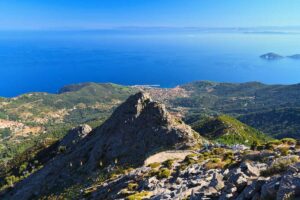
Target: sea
x=45, y=61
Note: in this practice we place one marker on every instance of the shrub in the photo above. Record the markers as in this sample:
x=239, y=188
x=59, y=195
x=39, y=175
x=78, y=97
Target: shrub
x=190, y=159
x=289, y=141
x=279, y=166
x=228, y=155
x=154, y=165
x=132, y=186
x=284, y=151
x=117, y=171
x=62, y=149
x=260, y=147
x=214, y=165
x=137, y=196
x=168, y=163
x=274, y=142
x=218, y=151
x=191, y=155
x=23, y=167
x=254, y=145
x=206, y=154
x=10, y=180
x=215, y=160
x=151, y=173
x=164, y=173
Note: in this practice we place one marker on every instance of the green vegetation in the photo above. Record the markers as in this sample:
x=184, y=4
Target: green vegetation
x=154, y=165
x=216, y=158
x=168, y=163
x=12, y=149
x=272, y=109
x=4, y=133
x=272, y=144
x=279, y=123
x=89, y=103
x=138, y=196
x=280, y=166
x=227, y=130
x=289, y=141
x=215, y=163
x=163, y=173
x=284, y=151
x=191, y=159
x=132, y=186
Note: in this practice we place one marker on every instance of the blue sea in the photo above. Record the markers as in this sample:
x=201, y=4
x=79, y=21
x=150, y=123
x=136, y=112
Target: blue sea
x=45, y=61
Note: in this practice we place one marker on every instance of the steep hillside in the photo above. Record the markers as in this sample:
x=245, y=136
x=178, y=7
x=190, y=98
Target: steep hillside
x=279, y=123
x=36, y=116
x=136, y=129
x=228, y=130
x=238, y=99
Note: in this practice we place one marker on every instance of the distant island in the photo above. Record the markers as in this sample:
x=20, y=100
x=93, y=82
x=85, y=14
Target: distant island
x=271, y=56
x=275, y=56
x=296, y=56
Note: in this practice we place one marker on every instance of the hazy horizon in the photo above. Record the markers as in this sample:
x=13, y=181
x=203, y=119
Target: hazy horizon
x=93, y=14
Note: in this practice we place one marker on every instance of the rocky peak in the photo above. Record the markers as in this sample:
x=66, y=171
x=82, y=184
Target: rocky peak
x=137, y=129
x=138, y=104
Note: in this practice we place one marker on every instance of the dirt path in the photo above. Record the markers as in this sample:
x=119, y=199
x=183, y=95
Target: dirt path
x=167, y=155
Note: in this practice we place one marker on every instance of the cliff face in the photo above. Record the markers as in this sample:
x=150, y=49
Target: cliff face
x=136, y=129
x=141, y=126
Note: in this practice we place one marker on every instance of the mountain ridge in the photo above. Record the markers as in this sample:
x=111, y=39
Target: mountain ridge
x=134, y=130
x=40, y=115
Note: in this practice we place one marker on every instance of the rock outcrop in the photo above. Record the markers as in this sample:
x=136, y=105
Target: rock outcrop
x=140, y=127
x=239, y=182
x=75, y=135
x=137, y=129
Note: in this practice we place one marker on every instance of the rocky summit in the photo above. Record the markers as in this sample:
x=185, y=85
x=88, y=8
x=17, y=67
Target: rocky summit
x=137, y=129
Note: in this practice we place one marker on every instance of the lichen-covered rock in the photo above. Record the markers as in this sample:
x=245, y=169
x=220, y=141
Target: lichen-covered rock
x=270, y=188
x=239, y=179
x=249, y=169
x=289, y=187
x=217, y=181
x=252, y=189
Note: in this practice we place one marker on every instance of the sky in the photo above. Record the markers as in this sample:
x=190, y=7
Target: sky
x=97, y=14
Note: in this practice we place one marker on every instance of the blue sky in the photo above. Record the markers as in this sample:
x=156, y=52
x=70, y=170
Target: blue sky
x=95, y=14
